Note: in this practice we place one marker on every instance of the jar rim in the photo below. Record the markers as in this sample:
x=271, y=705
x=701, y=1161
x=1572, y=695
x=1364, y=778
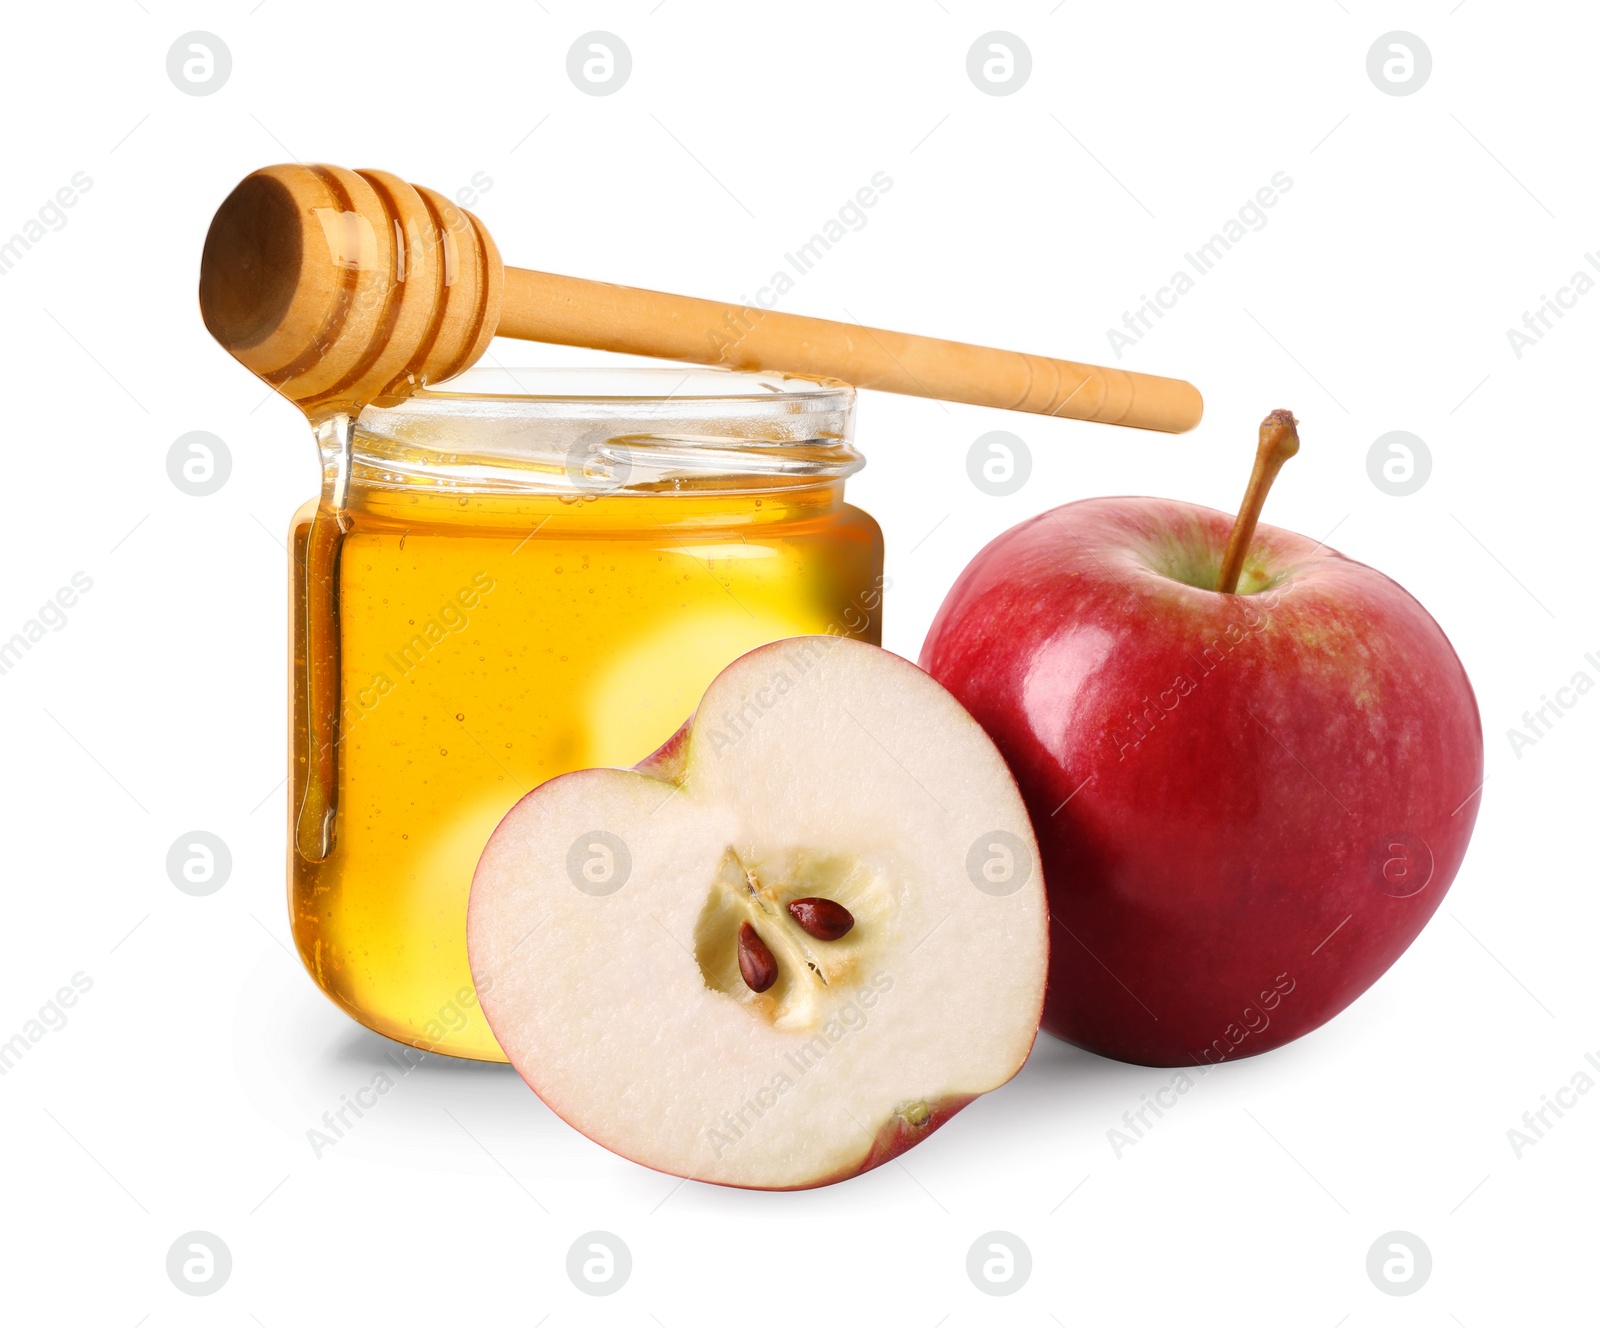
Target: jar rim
x=589, y=431
x=585, y=383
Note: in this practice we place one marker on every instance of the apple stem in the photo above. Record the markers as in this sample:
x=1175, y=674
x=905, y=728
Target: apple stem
x=1278, y=442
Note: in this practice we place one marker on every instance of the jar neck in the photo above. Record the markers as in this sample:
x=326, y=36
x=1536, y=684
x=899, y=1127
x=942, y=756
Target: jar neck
x=710, y=431
x=373, y=507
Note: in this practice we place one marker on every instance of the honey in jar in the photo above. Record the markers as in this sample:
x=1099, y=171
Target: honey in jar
x=525, y=573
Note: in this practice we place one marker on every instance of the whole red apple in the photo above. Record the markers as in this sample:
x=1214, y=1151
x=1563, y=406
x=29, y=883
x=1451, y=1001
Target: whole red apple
x=1247, y=804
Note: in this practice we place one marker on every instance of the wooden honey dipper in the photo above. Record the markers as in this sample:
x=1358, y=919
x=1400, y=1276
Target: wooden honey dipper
x=342, y=288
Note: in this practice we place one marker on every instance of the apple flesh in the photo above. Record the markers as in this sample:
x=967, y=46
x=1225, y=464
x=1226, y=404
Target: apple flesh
x=1248, y=805
x=786, y=947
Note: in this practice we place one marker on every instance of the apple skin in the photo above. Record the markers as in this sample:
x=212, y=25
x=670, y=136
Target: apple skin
x=1247, y=806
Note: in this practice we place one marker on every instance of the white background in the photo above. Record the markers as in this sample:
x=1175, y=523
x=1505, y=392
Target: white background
x=1418, y=230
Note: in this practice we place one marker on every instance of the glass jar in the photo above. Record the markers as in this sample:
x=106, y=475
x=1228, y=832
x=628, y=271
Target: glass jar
x=525, y=573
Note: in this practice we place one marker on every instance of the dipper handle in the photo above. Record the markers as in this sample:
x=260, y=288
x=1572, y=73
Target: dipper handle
x=341, y=288
x=569, y=311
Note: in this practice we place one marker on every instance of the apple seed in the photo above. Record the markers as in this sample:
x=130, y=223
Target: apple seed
x=822, y=918
x=756, y=965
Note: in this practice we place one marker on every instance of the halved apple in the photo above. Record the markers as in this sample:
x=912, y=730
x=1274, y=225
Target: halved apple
x=786, y=947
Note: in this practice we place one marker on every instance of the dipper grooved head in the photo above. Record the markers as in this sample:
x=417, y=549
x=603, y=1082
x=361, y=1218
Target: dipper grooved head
x=340, y=288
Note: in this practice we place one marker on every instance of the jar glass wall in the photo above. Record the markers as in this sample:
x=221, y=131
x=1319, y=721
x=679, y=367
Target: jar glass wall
x=527, y=573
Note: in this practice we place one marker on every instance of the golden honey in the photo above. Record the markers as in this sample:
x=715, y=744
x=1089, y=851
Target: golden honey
x=498, y=587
